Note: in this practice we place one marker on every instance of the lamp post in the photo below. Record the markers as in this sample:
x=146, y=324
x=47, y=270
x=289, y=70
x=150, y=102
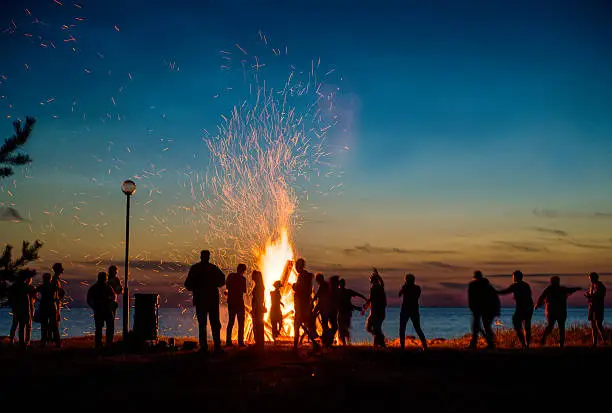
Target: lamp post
x=128, y=187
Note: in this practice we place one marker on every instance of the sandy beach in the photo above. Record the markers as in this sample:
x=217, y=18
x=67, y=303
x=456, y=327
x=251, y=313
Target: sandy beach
x=359, y=378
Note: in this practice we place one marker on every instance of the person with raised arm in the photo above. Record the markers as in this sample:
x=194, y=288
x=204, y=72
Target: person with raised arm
x=523, y=312
x=555, y=296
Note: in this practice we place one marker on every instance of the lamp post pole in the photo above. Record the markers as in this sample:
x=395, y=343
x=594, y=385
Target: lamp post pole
x=128, y=187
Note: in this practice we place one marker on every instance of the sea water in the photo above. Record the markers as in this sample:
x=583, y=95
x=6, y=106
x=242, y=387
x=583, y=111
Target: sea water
x=173, y=322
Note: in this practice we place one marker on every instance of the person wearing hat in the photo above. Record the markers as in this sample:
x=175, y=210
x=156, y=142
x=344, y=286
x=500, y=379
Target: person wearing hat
x=22, y=297
x=521, y=319
x=485, y=306
x=276, y=314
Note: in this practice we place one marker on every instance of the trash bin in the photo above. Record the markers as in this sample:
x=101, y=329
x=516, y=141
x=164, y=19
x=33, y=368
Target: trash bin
x=146, y=316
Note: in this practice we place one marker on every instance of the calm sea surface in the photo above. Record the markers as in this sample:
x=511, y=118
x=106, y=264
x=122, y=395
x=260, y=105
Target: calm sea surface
x=436, y=322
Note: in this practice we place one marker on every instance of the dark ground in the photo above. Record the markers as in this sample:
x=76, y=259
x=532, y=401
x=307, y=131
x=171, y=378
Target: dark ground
x=342, y=379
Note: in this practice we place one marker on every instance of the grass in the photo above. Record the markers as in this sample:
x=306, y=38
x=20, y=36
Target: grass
x=446, y=379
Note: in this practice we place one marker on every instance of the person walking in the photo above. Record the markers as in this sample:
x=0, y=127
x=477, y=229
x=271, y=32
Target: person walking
x=523, y=312
x=484, y=304
x=411, y=293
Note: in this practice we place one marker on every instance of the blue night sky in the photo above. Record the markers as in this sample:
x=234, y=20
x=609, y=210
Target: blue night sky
x=472, y=134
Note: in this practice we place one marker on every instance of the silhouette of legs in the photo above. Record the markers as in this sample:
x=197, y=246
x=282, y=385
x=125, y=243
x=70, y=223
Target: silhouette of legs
x=487, y=324
x=14, y=326
x=550, y=324
x=277, y=325
x=25, y=330
x=561, y=323
x=416, y=323
x=528, y=329
x=215, y=326
x=517, y=322
x=597, y=330
x=45, y=320
x=102, y=319
x=53, y=330
x=240, y=315
x=230, y=326
x=402, y=329
x=476, y=328
x=110, y=328
x=201, y=315
x=333, y=328
x=344, y=328
x=374, y=326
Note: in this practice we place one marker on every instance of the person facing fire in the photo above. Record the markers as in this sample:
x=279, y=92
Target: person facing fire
x=321, y=299
x=345, y=311
x=377, y=303
x=204, y=280
x=236, y=288
x=303, y=306
x=334, y=303
x=258, y=308
x=276, y=314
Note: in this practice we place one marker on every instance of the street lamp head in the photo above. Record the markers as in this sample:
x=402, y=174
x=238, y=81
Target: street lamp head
x=128, y=187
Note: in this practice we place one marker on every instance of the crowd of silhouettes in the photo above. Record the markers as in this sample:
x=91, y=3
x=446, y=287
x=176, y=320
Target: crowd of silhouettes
x=22, y=298
x=329, y=306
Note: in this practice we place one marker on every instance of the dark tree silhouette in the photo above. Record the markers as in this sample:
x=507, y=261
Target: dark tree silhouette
x=8, y=155
x=9, y=269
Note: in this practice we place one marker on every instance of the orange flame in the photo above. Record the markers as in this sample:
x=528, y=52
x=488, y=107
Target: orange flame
x=272, y=263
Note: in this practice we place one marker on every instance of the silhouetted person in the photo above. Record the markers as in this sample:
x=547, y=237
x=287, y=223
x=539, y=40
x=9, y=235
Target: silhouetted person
x=596, y=296
x=485, y=306
x=56, y=279
x=101, y=297
x=523, y=312
x=332, y=309
x=204, y=280
x=411, y=294
x=345, y=311
x=377, y=303
x=47, y=310
x=322, y=303
x=555, y=296
x=276, y=314
x=236, y=288
x=258, y=308
x=22, y=296
x=115, y=282
x=303, y=306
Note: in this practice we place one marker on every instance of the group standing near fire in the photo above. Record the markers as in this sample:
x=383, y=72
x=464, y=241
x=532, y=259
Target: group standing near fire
x=322, y=314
